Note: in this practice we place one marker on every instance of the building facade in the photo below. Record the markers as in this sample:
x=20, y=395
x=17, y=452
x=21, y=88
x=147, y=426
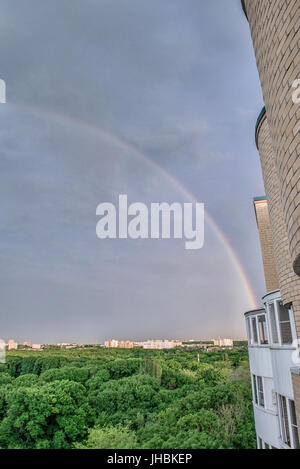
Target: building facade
x=266, y=243
x=12, y=344
x=223, y=342
x=111, y=343
x=274, y=331
x=126, y=344
x=271, y=342
x=160, y=344
x=275, y=32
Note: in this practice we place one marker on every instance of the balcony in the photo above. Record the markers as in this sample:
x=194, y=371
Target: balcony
x=272, y=344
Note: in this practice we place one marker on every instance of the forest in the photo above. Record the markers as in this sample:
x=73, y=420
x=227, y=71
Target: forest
x=126, y=399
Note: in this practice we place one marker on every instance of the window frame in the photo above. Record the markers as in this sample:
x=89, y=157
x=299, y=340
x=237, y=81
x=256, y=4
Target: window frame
x=278, y=306
x=248, y=330
x=254, y=335
x=273, y=320
x=294, y=424
x=258, y=391
x=273, y=323
x=264, y=330
x=289, y=434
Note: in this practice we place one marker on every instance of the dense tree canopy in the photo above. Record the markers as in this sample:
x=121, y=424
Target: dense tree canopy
x=113, y=398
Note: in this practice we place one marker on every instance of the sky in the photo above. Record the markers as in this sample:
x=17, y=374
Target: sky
x=157, y=100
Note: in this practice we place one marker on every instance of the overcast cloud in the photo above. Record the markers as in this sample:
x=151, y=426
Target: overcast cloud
x=177, y=81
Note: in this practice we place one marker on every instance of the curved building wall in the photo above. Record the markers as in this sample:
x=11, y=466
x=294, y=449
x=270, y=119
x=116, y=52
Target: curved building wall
x=266, y=243
x=275, y=33
x=289, y=282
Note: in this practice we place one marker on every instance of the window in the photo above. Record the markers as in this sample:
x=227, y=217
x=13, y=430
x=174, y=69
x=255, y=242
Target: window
x=294, y=425
x=248, y=328
x=255, y=390
x=262, y=328
x=273, y=323
x=288, y=422
x=284, y=420
x=258, y=390
x=254, y=330
x=285, y=324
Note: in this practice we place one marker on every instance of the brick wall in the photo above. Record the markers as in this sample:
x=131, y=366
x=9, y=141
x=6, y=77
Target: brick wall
x=266, y=244
x=289, y=282
x=275, y=32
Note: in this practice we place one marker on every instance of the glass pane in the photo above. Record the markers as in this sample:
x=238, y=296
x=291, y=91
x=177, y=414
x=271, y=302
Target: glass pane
x=285, y=421
x=254, y=328
x=285, y=325
x=260, y=390
x=262, y=327
x=273, y=323
x=294, y=424
x=283, y=312
x=248, y=330
x=255, y=390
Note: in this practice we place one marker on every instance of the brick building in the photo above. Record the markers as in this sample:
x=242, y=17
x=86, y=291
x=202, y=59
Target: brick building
x=274, y=331
x=266, y=243
x=274, y=27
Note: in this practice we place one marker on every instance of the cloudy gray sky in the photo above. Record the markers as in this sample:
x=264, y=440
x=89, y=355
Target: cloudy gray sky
x=125, y=96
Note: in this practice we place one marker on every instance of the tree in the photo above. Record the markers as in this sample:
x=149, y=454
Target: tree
x=118, y=437
x=53, y=415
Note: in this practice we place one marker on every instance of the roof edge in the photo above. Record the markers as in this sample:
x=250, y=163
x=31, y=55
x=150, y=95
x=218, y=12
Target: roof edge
x=262, y=116
x=260, y=198
x=252, y=311
x=244, y=8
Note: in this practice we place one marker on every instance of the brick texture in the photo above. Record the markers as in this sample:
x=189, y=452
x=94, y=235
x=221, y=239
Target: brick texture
x=266, y=244
x=275, y=32
x=289, y=282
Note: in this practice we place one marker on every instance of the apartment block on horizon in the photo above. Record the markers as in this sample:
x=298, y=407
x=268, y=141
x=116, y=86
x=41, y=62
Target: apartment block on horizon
x=126, y=344
x=113, y=343
x=223, y=342
x=148, y=344
x=274, y=330
x=36, y=346
x=12, y=344
x=161, y=344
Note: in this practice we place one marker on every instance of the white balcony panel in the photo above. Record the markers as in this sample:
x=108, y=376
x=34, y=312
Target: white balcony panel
x=267, y=426
x=282, y=363
x=260, y=361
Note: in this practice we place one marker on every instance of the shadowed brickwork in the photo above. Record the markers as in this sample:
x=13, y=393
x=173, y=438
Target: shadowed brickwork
x=266, y=244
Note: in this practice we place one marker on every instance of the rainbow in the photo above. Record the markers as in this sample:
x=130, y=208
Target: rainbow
x=118, y=141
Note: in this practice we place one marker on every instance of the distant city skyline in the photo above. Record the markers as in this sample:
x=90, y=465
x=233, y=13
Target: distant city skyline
x=29, y=342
